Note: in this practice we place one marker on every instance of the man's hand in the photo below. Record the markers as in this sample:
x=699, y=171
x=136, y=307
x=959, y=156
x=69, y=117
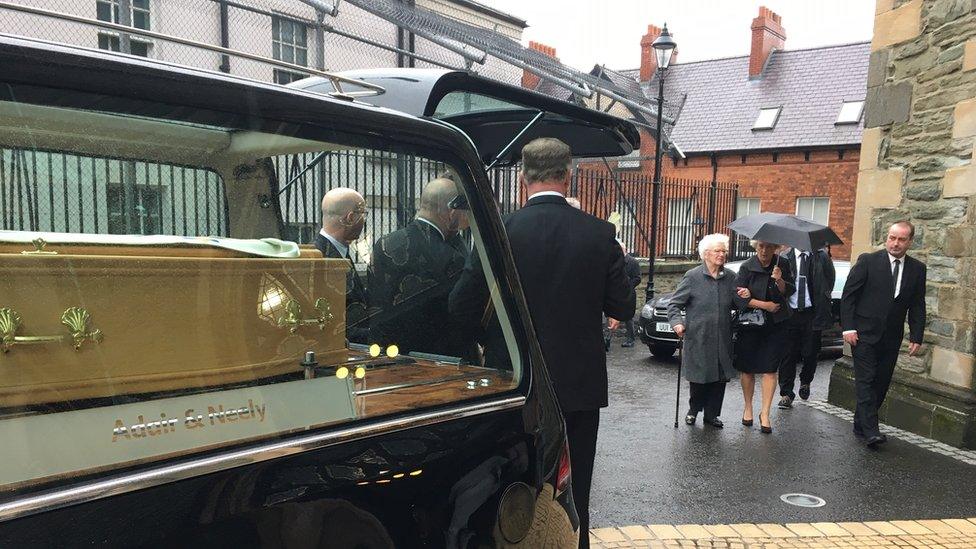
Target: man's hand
x=914, y=348
x=851, y=338
x=679, y=330
x=612, y=324
x=770, y=306
x=777, y=273
x=744, y=293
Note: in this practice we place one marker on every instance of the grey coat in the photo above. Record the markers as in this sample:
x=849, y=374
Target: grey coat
x=708, y=305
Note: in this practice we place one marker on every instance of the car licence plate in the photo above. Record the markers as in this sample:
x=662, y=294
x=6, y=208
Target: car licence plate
x=664, y=327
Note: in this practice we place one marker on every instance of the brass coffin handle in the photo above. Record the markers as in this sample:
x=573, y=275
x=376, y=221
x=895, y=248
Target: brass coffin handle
x=293, y=315
x=76, y=319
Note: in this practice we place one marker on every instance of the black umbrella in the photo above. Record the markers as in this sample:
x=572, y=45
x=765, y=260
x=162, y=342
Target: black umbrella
x=785, y=229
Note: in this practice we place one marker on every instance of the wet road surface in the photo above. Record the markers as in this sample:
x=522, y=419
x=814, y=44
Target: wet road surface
x=648, y=472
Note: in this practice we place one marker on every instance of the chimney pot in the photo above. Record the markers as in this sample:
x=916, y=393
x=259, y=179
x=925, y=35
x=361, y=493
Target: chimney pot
x=648, y=59
x=767, y=34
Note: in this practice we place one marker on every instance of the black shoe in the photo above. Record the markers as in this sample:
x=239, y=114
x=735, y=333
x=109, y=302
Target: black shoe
x=786, y=402
x=627, y=344
x=805, y=391
x=715, y=422
x=766, y=429
x=690, y=418
x=875, y=441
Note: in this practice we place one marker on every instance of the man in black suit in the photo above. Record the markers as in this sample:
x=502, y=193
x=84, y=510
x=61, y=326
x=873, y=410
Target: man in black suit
x=814, y=278
x=343, y=219
x=413, y=271
x=572, y=272
x=633, y=272
x=882, y=288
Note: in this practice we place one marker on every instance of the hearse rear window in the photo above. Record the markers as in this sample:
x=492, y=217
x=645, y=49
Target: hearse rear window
x=169, y=287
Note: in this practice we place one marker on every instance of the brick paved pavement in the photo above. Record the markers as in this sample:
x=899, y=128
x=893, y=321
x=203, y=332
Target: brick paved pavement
x=947, y=533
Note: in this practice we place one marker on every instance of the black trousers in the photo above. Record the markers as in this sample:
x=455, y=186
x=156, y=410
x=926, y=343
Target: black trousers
x=581, y=430
x=803, y=346
x=874, y=364
x=629, y=324
x=708, y=397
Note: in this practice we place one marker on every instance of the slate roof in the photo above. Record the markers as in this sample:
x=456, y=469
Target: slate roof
x=722, y=102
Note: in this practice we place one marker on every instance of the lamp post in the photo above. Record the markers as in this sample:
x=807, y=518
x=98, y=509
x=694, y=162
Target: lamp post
x=663, y=49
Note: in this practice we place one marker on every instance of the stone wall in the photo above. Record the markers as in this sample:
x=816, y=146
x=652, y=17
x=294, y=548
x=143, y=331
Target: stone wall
x=916, y=163
x=667, y=274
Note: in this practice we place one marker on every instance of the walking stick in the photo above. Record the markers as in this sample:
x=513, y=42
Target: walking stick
x=677, y=398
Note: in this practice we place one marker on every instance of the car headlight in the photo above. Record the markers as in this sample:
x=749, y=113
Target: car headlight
x=647, y=311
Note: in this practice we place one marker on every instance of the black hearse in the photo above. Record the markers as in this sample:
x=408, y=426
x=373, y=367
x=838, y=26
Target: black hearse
x=175, y=373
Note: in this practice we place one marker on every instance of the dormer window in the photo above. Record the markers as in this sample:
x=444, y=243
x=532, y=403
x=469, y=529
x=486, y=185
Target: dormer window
x=767, y=118
x=850, y=112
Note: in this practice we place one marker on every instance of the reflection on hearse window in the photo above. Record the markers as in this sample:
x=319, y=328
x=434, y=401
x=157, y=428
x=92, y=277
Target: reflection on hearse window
x=169, y=285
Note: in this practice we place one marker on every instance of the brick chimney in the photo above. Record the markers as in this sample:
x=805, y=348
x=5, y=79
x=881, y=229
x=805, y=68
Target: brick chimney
x=648, y=59
x=767, y=34
x=529, y=80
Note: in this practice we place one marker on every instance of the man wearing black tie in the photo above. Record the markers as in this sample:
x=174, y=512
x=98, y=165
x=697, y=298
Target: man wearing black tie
x=811, y=314
x=572, y=272
x=882, y=288
x=343, y=219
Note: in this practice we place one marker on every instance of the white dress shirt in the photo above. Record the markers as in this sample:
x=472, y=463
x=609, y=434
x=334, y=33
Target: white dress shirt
x=343, y=249
x=438, y=229
x=901, y=270
x=547, y=193
x=795, y=298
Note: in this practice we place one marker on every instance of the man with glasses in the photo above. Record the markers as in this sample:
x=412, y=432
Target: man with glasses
x=413, y=271
x=343, y=219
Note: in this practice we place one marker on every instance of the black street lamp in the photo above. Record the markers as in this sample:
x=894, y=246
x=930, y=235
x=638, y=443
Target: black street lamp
x=663, y=48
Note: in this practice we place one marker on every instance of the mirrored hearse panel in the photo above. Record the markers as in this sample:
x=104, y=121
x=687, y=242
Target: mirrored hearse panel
x=170, y=286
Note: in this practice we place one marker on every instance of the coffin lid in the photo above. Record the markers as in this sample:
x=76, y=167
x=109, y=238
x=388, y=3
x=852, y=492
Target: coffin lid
x=492, y=113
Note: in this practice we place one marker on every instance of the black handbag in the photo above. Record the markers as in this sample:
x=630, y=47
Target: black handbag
x=749, y=319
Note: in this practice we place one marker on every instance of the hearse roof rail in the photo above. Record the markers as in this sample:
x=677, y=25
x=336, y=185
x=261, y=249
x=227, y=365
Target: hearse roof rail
x=364, y=89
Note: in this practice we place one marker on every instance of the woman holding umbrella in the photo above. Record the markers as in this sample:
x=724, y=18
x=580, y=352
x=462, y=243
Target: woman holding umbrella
x=706, y=295
x=759, y=348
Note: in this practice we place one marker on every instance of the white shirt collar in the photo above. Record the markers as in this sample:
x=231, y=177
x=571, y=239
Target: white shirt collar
x=547, y=193
x=891, y=259
x=343, y=249
x=434, y=226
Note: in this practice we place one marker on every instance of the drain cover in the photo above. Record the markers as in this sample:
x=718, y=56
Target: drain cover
x=803, y=500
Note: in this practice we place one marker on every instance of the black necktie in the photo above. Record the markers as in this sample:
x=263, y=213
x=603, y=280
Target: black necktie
x=801, y=291
x=894, y=276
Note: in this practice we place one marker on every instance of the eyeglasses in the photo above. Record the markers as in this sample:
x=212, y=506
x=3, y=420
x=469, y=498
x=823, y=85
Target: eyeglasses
x=459, y=202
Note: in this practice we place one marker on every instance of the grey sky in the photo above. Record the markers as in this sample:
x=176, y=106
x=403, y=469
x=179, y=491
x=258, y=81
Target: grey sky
x=586, y=32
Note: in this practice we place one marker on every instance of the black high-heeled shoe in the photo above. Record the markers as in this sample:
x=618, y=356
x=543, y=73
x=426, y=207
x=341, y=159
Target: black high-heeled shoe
x=747, y=422
x=764, y=428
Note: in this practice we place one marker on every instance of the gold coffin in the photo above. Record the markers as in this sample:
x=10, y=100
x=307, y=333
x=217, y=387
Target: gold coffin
x=99, y=321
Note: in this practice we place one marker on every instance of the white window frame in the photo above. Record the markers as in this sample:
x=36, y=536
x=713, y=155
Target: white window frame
x=848, y=114
x=278, y=45
x=114, y=9
x=817, y=203
x=681, y=225
x=749, y=201
x=762, y=119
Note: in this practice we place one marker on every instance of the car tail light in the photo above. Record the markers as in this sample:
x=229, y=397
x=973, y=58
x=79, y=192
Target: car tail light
x=565, y=471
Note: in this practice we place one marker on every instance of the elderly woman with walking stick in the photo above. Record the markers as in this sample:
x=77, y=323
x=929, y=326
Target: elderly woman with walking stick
x=706, y=295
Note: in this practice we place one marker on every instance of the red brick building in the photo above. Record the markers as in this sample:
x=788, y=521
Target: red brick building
x=783, y=124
